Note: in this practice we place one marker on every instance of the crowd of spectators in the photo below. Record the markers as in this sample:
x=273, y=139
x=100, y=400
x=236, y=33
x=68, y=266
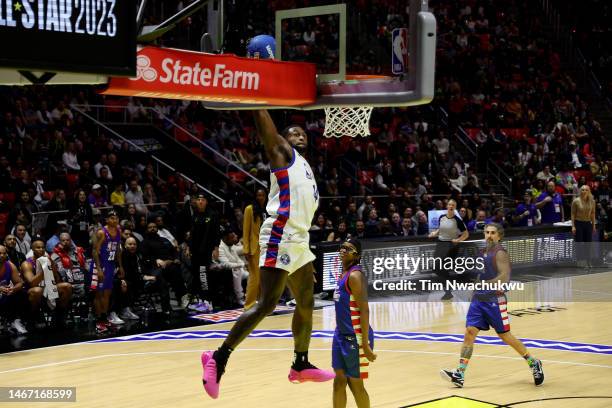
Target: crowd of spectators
x=497, y=77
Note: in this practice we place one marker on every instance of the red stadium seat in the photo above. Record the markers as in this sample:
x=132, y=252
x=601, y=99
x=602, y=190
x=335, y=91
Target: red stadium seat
x=3, y=221
x=72, y=180
x=586, y=173
x=8, y=198
x=237, y=176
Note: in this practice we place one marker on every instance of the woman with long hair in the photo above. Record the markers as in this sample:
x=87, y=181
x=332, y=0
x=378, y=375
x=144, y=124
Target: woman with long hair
x=254, y=215
x=583, y=222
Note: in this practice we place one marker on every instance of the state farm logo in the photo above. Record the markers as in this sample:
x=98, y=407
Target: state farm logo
x=201, y=74
x=144, y=69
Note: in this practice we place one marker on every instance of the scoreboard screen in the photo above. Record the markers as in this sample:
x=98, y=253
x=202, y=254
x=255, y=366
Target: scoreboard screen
x=88, y=36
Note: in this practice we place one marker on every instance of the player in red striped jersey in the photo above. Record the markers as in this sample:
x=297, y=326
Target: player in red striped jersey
x=489, y=309
x=353, y=338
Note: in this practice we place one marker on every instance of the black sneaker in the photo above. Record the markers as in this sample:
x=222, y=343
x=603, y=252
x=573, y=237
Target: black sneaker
x=447, y=296
x=453, y=376
x=538, y=373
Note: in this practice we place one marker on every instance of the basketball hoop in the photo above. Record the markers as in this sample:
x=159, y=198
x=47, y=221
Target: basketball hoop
x=347, y=121
x=351, y=120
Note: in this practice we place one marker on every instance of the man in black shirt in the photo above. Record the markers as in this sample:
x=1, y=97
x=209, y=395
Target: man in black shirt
x=205, y=238
x=16, y=257
x=160, y=257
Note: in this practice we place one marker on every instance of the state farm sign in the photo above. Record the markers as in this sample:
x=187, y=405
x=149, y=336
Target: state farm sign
x=178, y=74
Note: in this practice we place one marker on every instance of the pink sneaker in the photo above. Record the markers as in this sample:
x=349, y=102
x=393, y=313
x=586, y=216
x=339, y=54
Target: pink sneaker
x=312, y=374
x=209, y=375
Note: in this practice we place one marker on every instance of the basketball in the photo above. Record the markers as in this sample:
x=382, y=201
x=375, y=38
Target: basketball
x=262, y=46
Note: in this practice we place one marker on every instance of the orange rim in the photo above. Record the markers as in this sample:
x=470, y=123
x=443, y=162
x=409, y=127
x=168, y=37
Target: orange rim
x=359, y=77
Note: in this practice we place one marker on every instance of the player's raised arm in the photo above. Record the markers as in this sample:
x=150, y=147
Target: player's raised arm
x=277, y=148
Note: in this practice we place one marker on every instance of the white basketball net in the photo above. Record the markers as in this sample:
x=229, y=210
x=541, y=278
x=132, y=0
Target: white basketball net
x=347, y=121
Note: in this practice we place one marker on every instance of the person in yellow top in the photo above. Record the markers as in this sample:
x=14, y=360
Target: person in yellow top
x=254, y=214
x=118, y=195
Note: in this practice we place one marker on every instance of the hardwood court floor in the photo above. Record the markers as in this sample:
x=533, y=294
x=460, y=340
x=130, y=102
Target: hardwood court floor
x=163, y=370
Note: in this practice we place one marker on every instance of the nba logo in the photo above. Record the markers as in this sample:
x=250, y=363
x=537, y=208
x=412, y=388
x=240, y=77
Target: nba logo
x=399, y=60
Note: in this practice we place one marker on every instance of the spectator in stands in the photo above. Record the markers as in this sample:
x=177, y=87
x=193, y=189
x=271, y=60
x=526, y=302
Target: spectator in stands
x=498, y=218
x=102, y=163
x=340, y=235
x=456, y=180
x=148, y=195
x=545, y=174
x=70, y=160
x=161, y=259
x=408, y=229
x=23, y=239
x=132, y=283
x=422, y=223
x=97, y=197
x=86, y=174
x=105, y=180
x=118, y=195
x=70, y=263
x=43, y=281
x=565, y=178
x=80, y=218
x=57, y=202
x=396, y=224
x=318, y=231
x=583, y=223
x=26, y=205
x=574, y=156
x=599, y=168
x=134, y=196
x=10, y=243
x=163, y=232
x=60, y=111
x=230, y=256
x=441, y=143
x=351, y=216
x=59, y=228
x=360, y=229
x=131, y=216
x=205, y=240
x=479, y=223
x=372, y=224
x=12, y=299
x=364, y=209
x=526, y=214
x=550, y=204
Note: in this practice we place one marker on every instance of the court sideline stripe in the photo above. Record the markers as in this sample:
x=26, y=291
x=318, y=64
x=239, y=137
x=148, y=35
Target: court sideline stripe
x=146, y=353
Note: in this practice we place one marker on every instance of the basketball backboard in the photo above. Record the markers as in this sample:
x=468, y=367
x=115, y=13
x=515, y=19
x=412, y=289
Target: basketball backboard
x=355, y=47
x=367, y=53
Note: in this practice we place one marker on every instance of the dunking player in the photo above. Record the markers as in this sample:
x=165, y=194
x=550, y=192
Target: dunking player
x=106, y=256
x=285, y=254
x=353, y=337
x=488, y=308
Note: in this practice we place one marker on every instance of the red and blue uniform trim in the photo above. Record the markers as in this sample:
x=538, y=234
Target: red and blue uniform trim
x=283, y=212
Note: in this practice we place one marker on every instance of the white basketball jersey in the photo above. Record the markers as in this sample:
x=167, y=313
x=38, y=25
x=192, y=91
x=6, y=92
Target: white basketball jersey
x=292, y=203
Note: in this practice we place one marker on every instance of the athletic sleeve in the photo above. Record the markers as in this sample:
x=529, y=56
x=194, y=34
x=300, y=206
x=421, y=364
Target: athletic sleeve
x=460, y=224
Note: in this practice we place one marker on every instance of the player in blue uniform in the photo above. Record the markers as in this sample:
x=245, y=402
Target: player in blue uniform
x=106, y=256
x=489, y=309
x=353, y=338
